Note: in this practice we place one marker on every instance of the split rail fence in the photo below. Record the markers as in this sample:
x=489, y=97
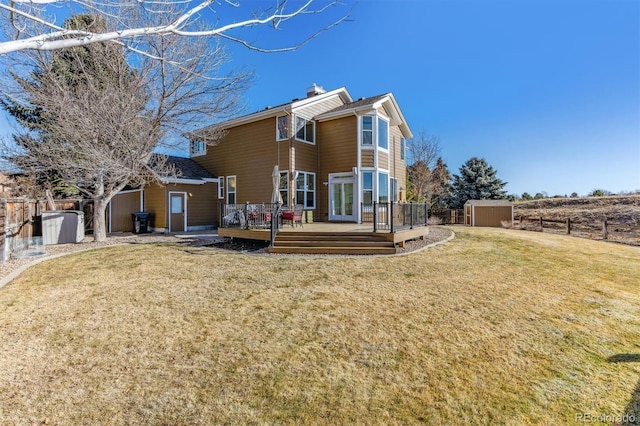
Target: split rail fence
x=605, y=229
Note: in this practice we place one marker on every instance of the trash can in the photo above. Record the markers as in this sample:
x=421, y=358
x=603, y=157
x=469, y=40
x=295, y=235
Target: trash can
x=140, y=222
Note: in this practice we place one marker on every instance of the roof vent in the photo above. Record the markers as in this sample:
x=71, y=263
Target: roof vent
x=314, y=90
x=361, y=99
x=267, y=107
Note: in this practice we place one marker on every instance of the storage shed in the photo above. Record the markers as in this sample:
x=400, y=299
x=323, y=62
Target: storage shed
x=488, y=212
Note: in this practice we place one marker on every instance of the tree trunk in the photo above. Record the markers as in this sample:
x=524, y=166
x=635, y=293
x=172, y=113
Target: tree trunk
x=99, y=219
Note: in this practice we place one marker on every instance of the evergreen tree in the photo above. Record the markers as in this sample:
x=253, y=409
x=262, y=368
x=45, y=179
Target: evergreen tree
x=86, y=121
x=477, y=181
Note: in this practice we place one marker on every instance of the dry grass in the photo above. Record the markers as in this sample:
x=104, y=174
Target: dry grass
x=494, y=327
x=587, y=215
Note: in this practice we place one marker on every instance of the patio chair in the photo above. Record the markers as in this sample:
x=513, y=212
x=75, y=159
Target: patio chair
x=294, y=216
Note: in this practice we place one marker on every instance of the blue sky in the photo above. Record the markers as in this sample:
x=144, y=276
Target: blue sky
x=547, y=91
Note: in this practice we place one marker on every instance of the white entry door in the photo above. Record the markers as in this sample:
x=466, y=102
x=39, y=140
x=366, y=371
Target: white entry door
x=341, y=199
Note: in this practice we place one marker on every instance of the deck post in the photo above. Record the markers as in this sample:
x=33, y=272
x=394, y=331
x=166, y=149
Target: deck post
x=375, y=217
x=392, y=217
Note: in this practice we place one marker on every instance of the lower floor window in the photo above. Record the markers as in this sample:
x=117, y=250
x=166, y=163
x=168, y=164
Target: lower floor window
x=306, y=189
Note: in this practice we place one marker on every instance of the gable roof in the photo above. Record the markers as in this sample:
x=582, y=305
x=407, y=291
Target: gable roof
x=386, y=101
x=186, y=171
x=276, y=110
x=489, y=203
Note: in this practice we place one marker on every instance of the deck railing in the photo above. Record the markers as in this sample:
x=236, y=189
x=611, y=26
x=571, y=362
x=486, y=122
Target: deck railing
x=395, y=216
x=390, y=217
x=251, y=216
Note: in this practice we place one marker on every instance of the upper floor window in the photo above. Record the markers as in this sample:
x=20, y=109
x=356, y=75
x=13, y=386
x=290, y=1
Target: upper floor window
x=403, y=148
x=198, y=148
x=367, y=130
x=305, y=130
x=383, y=134
x=282, y=128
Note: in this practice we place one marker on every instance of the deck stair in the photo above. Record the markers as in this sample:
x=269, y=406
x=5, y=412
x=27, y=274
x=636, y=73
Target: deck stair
x=303, y=242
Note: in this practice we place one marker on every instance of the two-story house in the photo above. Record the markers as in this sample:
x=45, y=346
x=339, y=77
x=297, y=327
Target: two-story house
x=334, y=155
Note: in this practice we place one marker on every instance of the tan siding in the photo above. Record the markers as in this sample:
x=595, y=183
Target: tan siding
x=367, y=158
x=249, y=152
x=155, y=203
x=337, y=145
x=491, y=215
x=122, y=205
x=202, y=203
x=383, y=160
x=398, y=166
x=306, y=157
x=309, y=112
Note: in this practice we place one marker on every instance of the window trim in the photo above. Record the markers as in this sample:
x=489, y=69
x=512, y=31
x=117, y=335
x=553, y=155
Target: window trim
x=221, y=188
x=378, y=133
x=373, y=184
x=304, y=129
x=379, y=195
x=202, y=148
x=286, y=128
x=363, y=130
x=285, y=189
x=403, y=148
x=305, y=191
x=235, y=189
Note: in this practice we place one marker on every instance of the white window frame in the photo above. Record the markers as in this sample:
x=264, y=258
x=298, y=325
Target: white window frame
x=373, y=184
x=379, y=179
x=378, y=133
x=305, y=189
x=284, y=177
x=305, y=131
x=221, y=188
x=282, y=133
x=369, y=131
x=394, y=194
x=234, y=191
x=201, y=148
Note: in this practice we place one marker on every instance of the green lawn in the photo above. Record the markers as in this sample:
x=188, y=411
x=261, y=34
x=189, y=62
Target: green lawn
x=494, y=327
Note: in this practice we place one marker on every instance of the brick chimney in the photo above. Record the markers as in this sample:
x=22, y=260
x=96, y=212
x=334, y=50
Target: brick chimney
x=314, y=90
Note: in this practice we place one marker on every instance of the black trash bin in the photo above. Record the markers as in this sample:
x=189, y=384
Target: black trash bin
x=140, y=222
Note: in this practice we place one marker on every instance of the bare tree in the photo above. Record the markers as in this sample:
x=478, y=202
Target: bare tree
x=93, y=120
x=423, y=152
x=31, y=24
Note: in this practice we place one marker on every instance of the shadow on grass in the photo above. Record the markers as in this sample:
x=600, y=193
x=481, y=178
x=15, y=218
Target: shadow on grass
x=632, y=410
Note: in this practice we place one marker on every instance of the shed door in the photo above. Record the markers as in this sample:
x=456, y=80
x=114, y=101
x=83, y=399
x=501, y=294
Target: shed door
x=177, y=211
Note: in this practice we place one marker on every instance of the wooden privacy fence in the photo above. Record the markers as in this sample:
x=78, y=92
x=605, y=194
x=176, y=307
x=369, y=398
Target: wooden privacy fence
x=604, y=228
x=448, y=216
x=18, y=225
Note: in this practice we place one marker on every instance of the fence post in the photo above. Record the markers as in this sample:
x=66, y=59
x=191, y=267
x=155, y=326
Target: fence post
x=605, y=230
x=568, y=225
x=375, y=217
x=541, y=226
x=411, y=214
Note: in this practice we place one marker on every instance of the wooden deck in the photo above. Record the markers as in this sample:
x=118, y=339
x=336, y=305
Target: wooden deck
x=333, y=238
